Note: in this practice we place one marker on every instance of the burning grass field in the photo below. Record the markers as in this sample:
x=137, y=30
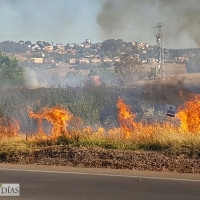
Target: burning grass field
x=151, y=134
x=181, y=135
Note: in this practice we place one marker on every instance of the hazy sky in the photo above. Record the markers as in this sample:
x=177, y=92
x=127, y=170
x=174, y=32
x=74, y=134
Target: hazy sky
x=67, y=21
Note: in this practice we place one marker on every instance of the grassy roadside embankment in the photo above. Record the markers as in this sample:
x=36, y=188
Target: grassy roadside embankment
x=146, y=140
x=169, y=152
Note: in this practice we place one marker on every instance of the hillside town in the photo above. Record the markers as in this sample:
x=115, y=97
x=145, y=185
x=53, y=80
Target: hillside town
x=49, y=64
x=108, y=51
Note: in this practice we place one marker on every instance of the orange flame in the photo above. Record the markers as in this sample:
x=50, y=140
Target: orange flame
x=15, y=127
x=57, y=116
x=126, y=119
x=128, y=125
x=189, y=114
x=9, y=128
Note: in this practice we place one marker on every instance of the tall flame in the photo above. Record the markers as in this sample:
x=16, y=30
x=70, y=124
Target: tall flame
x=126, y=118
x=56, y=115
x=189, y=114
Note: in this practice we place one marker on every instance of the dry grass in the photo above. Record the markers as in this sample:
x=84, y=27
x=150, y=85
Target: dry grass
x=156, y=138
x=15, y=145
x=172, y=141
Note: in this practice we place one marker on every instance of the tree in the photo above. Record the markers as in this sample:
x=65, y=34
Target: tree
x=126, y=69
x=11, y=73
x=106, y=76
x=112, y=45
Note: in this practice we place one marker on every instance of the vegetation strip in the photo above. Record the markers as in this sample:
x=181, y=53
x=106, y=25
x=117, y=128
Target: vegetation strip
x=105, y=158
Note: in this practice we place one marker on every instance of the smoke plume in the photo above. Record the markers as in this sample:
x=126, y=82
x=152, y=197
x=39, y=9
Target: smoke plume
x=130, y=20
x=181, y=17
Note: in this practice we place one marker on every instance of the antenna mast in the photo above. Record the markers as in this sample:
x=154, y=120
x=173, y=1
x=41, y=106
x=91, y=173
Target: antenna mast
x=159, y=39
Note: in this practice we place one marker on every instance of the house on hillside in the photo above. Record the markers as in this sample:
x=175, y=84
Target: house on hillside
x=88, y=46
x=73, y=61
x=84, y=60
x=153, y=60
x=37, y=60
x=107, y=59
x=48, y=48
x=71, y=46
x=81, y=45
x=35, y=47
x=117, y=59
x=88, y=42
x=96, y=60
x=60, y=46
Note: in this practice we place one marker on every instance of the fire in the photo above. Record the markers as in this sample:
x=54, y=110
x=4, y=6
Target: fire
x=60, y=118
x=14, y=127
x=189, y=114
x=126, y=119
x=9, y=128
x=57, y=116
x=129, y=127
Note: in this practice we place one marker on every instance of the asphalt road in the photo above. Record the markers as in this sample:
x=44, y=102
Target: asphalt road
x=64, y=183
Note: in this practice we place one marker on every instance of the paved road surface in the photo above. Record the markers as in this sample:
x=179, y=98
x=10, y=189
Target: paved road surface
x=64, y=183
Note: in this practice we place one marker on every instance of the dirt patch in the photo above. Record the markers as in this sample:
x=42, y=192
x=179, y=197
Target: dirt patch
x=103, y=158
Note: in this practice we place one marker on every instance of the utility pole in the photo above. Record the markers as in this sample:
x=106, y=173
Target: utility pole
x=159, y=39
